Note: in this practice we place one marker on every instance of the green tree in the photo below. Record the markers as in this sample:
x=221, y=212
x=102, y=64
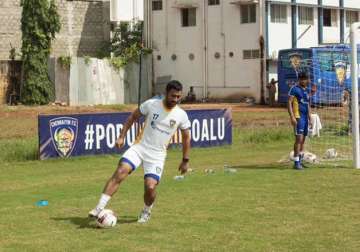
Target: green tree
x=39, y=24
x=125, y=45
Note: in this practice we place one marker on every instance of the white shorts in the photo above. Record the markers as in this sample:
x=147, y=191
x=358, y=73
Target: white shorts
x=137, y=155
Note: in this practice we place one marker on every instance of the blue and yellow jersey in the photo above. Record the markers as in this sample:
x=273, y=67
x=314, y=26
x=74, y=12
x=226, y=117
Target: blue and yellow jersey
x=300, y=103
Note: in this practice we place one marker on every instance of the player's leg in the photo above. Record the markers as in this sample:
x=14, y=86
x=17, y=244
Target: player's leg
x=153, y=172
x=297, y=149
x=128, y=163
x=302, y=144
x=120, y=174
x=299, y=138
x=149, y=191
x=149, y=199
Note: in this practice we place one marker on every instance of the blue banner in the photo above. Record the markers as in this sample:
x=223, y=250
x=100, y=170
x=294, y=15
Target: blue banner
x=91, y=134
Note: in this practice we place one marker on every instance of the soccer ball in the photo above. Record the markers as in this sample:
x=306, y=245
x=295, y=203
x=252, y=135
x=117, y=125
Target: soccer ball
x=309, y=157
x=106, y=219
x=331, y=153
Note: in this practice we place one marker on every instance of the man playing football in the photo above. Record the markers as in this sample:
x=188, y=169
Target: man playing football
x=163, y=117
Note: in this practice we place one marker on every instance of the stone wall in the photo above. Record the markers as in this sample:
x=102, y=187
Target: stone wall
x=85, y=26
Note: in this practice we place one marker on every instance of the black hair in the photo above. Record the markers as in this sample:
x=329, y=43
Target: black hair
x=174, y=84
x=303, y=76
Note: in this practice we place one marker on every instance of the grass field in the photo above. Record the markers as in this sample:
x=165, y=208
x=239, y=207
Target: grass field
x=264, y=206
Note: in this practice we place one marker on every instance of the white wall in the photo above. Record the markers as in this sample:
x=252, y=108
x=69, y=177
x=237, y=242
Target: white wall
x=169, y=38
x=95, y=82
x=126, y=10
x=352, y=3
x=242, y=73
x=217, y=39
x=315, y=2
x=310, y=37
x=284, y=1
x=228, y=77
x=332, y=34
x=279, y=34
x=331, y=2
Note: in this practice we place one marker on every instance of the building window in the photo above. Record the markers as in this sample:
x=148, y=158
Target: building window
x=156, y=5
x=330, y=17
x=278, y=13
x=248, y=13
x=251, y=54
x=351, y=17
x=188, y=17
x=213, y=2
x=306, y=15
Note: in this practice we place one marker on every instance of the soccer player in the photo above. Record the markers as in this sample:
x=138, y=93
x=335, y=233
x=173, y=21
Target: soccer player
x=299, y=111
x=163, y=117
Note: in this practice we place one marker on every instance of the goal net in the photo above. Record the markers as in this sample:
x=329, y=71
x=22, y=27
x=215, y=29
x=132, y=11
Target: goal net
x=333, y=71
x=334, y=100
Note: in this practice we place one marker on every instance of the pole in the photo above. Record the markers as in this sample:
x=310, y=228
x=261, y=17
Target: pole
x=354, y=36
x=140, y=65
x=263, y=55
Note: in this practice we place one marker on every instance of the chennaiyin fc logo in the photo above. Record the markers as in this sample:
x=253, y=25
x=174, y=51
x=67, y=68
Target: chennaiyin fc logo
x=340, y=70
x=64, y=133
x=295, y=60
x=172, y=123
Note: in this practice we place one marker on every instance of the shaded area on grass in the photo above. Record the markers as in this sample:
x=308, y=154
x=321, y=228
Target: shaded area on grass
x=87, y=222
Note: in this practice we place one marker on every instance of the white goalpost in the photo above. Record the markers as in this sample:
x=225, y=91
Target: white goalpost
x=355, y=39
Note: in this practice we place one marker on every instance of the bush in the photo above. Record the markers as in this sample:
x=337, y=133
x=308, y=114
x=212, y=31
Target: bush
x=39, y=24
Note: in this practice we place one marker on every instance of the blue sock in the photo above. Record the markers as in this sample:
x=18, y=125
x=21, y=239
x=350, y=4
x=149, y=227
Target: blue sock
x=297, y=161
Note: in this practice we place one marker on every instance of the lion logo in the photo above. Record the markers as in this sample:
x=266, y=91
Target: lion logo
x=340, y=70
x=172, y=123
x=295, y=60
x=64, y=132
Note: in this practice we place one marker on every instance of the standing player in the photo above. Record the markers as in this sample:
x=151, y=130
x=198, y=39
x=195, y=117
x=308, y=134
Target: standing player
x=299, y=111
x=162, y=119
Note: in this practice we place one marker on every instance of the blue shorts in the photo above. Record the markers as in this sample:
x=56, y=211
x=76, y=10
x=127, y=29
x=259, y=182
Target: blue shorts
x=302, y=126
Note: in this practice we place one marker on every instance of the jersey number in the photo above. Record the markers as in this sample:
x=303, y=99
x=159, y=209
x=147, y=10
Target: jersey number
x=155, y=116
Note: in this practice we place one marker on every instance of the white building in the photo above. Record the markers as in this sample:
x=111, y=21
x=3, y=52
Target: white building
x=216, y=45
x=126, y=10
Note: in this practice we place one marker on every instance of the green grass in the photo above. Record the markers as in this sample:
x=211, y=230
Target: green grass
x=20, y=149
x=265, y=206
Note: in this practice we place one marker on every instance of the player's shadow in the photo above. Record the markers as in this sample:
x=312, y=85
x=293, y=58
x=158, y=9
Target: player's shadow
x=87, y=222
x=80, y=222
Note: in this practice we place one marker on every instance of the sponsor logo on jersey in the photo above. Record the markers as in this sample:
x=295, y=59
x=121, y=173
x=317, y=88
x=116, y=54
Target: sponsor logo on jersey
x=155, y=127
x=64, y=131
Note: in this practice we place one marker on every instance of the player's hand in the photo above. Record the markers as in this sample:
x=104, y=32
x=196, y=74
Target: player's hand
x=120, y=142
x=310, y=124
x=183, y=167
x=293, y=121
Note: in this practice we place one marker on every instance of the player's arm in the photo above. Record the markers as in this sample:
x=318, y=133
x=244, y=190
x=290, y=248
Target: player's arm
x=290, y=110
x=186, y=151
x=309, y=115
x=131, y=119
